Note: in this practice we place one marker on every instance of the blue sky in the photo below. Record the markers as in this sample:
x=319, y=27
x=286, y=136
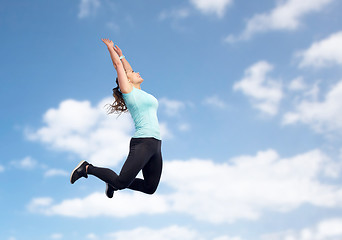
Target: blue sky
x=250, y=107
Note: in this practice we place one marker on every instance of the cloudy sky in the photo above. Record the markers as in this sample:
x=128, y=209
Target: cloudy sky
x=250, y=107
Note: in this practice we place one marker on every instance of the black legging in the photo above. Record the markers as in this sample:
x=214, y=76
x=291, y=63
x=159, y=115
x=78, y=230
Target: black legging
x=145, y=155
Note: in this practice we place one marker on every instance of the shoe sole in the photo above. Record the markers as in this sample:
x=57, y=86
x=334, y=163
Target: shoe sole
x=76, y=169
x=107, y=186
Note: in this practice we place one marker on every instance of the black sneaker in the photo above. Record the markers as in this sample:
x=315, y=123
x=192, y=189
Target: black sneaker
x=109, y=190
x=79, y=171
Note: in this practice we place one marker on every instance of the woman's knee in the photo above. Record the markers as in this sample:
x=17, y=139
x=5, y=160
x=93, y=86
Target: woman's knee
x=150, y=189
x=121, y=183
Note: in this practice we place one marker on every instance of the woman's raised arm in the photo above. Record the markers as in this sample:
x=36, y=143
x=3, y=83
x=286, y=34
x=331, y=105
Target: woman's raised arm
x=124, y=84
x=124, y=61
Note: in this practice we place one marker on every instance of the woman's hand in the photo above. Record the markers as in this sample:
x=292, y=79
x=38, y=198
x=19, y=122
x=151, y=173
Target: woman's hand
x=118, y=50
x=108, y=42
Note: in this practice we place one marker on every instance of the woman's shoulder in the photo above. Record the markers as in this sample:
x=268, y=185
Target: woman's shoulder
x=128, y=91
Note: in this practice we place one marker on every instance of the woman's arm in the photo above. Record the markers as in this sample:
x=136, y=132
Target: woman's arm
x=124, y=61
x=124, y=85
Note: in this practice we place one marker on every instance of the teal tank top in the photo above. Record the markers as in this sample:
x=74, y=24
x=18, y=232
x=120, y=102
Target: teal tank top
x=143, y=109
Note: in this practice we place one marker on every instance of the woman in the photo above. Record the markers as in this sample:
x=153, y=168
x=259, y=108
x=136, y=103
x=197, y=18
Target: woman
x=145, y=145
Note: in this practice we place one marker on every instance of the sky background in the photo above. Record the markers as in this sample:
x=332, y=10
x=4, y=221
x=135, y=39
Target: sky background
x=250, y=108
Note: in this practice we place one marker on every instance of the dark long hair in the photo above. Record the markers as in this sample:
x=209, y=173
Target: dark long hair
x=118, y=106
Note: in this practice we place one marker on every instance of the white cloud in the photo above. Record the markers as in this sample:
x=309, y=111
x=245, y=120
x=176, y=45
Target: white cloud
x=184, y=127
x=168, y=233
x=323, y=53
x=265, y=93
x=88, y=7
x=313, y=92
x=56, y=236
x=26, y=163
x=212, y=6
x=323, y=116
x=2, y=168
x=297, y=84
x=55, y=172
x=172, y=232
x=97, y=204
x=242, y=188
x=214, y=101
x=227, y=238
x=92, y=236
x=171, y=107
x=39, y=203
x=329, y=229
x=287, y=15
x=87, y=131
x=165, y=132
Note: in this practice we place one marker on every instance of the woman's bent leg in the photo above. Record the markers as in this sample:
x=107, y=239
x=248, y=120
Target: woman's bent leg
x=151, y=172
x=139, y=154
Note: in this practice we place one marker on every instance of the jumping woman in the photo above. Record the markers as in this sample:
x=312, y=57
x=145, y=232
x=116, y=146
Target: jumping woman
x=145, y=145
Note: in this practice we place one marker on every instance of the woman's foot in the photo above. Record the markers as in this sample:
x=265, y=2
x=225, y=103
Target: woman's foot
x=109, y=190
x=79, y=171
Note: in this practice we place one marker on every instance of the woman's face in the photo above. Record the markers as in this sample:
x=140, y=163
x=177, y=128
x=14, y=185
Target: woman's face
x=134, y=77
